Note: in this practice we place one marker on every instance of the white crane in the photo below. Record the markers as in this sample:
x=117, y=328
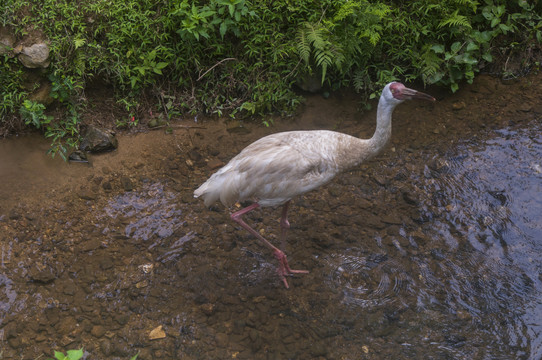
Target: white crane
x=277, y=167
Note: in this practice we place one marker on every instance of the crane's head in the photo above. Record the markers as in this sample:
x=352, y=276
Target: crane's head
x=398, y=91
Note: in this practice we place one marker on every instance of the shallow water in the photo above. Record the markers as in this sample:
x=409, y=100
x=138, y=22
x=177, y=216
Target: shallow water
x=431, y=251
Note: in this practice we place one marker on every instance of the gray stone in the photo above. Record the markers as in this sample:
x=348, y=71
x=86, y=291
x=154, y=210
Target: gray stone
x=35, y=56
x=98, y=140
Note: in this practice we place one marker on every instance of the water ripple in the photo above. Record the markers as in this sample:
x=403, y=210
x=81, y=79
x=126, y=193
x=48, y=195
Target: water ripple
x=153, y=211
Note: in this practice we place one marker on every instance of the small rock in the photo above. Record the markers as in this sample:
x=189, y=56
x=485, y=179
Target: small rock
x=222, y=340
x=122, y=319
x=214, y=164
x=157, y=333
x=458, y=105
x=318, y=349
x=253, y=334
x=42, y=273
x=142, y=284
x=15, y=342
x=195, y=155
x=334, y=190
x=410, y=198
x=526, y=107
x=105, y=347
x=126, y=183
x=66, y=325
x=90, y=245
x=97, y=331
x=14, y=215
x=391, y=219
x=78, y=156
x=207, y=309
x=87, y=195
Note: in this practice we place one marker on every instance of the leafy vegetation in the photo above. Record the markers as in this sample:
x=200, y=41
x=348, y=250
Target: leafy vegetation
x=75, y=355
x=237, y=57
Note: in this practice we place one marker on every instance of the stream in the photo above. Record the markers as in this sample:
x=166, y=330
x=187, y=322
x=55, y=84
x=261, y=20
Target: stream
x=431, y=250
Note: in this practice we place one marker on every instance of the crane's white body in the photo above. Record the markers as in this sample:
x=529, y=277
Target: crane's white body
x=280, y=166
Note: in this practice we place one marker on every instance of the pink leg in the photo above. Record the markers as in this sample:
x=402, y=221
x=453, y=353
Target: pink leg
x=284, y=268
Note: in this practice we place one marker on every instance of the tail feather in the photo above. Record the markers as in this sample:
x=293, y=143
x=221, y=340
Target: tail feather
x=220, y=186
x=209, y=195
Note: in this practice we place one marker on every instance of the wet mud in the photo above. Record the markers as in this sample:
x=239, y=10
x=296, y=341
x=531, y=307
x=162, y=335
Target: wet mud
x=431, y=250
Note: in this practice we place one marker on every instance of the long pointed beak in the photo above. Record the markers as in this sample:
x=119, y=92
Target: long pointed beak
x=414, y=94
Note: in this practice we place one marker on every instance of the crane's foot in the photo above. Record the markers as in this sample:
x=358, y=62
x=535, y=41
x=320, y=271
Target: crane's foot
x=284, y=269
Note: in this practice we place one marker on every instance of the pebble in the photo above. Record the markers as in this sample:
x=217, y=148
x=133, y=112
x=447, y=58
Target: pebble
x=214, y=164
x=98, y=331
x=42, y=273
x=157, y=333
x=86, y=194
x=222, y=340
x=458, y=105
x=126, y=183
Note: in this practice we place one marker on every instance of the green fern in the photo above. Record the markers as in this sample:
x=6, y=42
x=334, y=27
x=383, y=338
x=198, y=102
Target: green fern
x=303, y=45
x=430, y=64
x=455, y=20
x=315, y=35
x=361, y=80
x=315, y=39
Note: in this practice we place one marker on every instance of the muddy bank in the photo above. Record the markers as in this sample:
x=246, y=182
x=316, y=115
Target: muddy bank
x=100, y=256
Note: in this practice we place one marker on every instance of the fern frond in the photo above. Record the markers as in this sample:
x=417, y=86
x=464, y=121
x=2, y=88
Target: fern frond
x=316, y=37
x=361, y=80
x=431, y=65
x=473, y=4
x=303, y=45
x=455, y=20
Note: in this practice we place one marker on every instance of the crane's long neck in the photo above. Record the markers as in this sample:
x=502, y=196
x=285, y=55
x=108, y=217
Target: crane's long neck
x=355, y=150
x=383, y=127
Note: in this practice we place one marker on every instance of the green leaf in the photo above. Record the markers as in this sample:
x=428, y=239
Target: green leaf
x=454, y=87
x=504, y=28
x=161, y=65
x=439, y=49
x=59, y=355
x=75, y=354
x=472, y=46
x=79, y=42
x=495, y=21
x=487, y=57
x=223, y=29
x=456, y=46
